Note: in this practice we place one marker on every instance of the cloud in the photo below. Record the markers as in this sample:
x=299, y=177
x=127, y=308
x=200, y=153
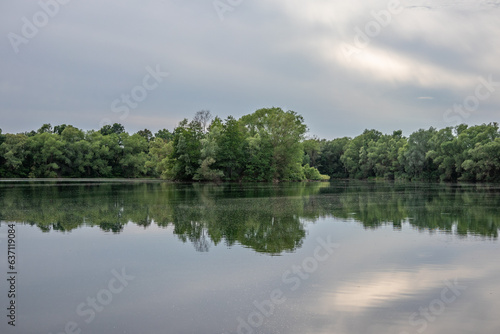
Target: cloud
x=263, y=54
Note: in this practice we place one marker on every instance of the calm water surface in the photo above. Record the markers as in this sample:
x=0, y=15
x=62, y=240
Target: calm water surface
x=341, y=257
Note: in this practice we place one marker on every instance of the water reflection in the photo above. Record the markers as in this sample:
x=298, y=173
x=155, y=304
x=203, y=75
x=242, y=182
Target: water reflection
x=266, y=218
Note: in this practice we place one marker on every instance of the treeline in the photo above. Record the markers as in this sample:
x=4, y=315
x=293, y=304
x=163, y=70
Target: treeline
x=263, y=146
x=451, y=154
x=267, y=145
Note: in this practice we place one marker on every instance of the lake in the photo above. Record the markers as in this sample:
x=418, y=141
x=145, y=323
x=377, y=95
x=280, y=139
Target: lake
x=121, y=256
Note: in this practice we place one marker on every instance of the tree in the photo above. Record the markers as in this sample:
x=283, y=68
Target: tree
x=164, y=134
x=13, y=150
x=468, y=138
x=444, y=153
x=72, y=134
x=158, y=161
x=71, y=138
x=208, y=154
x=484, y=162
x=329, y=161
x=231, y=148
x=285, y=131
x=185, y=157
x=355, y=157
x=146, y=134
x=413, y=155
x=203, y=118
x=116, y=128
x=46, y=128
x=46, y=153
x=312, y=149
x=59, y=128
x=383, y=155
x=133, y=161
x=259, y=158
x=98, y=155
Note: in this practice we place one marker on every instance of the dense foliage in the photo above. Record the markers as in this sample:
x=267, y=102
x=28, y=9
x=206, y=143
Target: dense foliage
x=450, y=154
x=263, y=146
x=267, y=145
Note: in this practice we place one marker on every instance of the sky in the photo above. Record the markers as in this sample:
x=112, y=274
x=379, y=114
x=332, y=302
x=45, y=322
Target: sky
x=345, y=66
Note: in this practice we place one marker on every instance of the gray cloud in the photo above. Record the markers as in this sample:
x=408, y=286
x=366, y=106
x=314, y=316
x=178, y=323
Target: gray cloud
x=284, y=53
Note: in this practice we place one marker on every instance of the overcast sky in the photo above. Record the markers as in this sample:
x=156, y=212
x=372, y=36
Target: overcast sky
x=343, y=65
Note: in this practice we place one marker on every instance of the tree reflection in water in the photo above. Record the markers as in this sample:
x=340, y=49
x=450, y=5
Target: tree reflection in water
x=267, y=218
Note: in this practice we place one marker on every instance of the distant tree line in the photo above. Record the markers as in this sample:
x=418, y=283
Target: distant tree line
x=459, y=153
x=267, y=145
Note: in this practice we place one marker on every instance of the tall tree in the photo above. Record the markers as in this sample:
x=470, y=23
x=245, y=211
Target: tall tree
x=286, y=131
x=164, y=134
x=133, y=161
x=146, y=134
x=231, y=146
x=185, y=157
x=45, y=128
x=383, y=155
x=46, y=151
x=116, y=128
x=312, y=149
x=329, y=161
x=355, y=157
x=203, y=118
x=208, y=154
x=13, y=151
x=413, y=155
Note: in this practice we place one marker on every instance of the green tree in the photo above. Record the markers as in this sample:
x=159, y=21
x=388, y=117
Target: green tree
x=484, y=162
x=259, y=158
x=231, y=148
x=164, y=134
x=413, y=155
x=286, y=131
x=116, y=128
x=467, y=140
x=59, y=128
x=329, y=161
x=312, y=148
x=99, y=155
x=208, y=154
x=186, y=153
x=146, y=134
x=135, y=154
x=444, y=153
x=158, y=162
x=355, y=157
x=46, y=152
x=46, y=128
x=13, y=150
x=70, y=138
x=383, y=155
